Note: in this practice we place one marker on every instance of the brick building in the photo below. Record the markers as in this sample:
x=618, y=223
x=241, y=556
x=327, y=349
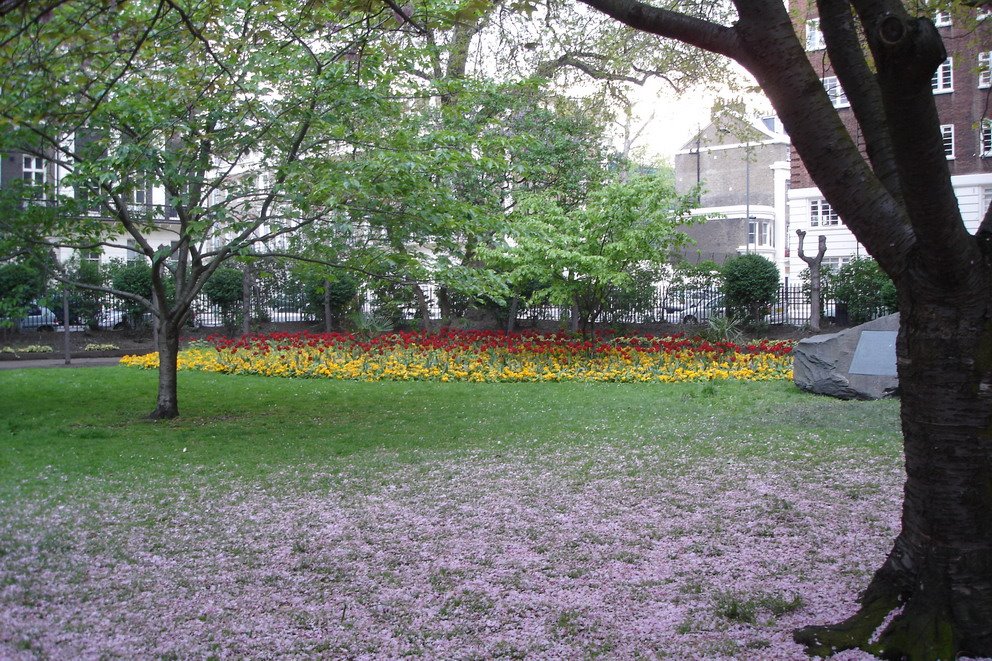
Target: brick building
x=961, y=89
x=742, y=170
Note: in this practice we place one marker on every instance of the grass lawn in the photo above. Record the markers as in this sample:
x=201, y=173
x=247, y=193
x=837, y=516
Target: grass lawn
x=305, y=518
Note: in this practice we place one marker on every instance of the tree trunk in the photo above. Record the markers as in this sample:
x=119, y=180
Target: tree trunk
x=246, y=283
x=424, y=306
x=939, y=571
x=511, y=315
x=168, y=354
x=444, y=305
x=815, y=298
x=327, y=306
x=814, y=264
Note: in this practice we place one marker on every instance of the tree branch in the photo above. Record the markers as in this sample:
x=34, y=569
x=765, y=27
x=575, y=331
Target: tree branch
x=832, y=158
x=858, y=81
x=908, y=52
x=673, y=25
x=545, y=69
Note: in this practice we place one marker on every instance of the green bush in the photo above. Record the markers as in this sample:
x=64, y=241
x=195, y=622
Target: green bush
x=225, y=289
x=865, y=289
x=136, y=278
x=84, y=304
x=341, y=290
x=20, y=283
x=750, y=285
x=133, y=278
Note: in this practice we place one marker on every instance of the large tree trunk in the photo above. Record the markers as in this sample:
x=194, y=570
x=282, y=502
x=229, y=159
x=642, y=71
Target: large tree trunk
x=168, y=354
x=939, y=572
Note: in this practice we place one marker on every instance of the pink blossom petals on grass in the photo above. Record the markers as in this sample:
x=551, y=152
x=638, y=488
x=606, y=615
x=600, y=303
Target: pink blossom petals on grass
x=566, y=554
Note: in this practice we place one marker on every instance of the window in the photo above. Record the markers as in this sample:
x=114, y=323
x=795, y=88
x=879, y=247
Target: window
x=834, y=263
x=134, y=253
x=942, y=19
x=947, y=133
x=821, y=213
x=985, y=69
x=986, y=138
x=92, y=256
x=943, y=78
x=836, y=93
x=140, y=195
x=814, y=37
x=34, y=171
x=760, y=232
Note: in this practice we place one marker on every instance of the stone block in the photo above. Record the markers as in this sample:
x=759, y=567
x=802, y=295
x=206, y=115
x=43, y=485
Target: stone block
x=822, y=364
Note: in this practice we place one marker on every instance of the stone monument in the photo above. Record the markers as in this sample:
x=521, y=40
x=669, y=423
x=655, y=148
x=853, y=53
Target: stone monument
x=856, y=363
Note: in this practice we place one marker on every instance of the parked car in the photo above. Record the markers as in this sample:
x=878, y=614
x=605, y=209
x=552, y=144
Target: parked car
x=696, y=310
x=118, y=319
x=38, y=318
x=680, y=299
x=285, y=314
x=110, y=320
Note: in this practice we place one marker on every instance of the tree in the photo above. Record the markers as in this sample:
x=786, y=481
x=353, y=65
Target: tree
x=815, y=289
x=933, y=593
x=226, y=106
x=474, y=135
x=620, y=236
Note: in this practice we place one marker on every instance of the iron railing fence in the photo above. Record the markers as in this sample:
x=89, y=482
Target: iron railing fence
x=665, y=304
x=662, y=305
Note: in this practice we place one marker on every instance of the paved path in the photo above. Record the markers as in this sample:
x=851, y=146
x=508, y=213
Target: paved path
x=57, y=362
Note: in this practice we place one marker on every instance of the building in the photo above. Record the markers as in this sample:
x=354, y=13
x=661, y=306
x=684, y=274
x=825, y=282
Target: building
x=48, y=177
x=961, y=88
x=742, y=172
x=158, y=213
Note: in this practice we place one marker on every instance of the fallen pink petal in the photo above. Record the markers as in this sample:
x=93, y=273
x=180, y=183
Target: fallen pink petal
x=569, y=554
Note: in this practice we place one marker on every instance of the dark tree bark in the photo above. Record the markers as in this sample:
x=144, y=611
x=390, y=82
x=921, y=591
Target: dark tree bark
x=247, y=281
x=511, y=315
x=424, y=307
x=815, y=289
x=167, y=404
x=328, y=322
x=934, y=591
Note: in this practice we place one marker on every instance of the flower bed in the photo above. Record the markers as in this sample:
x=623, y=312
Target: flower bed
x=485, y=356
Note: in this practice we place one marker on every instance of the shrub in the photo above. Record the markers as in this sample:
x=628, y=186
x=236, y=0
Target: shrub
x=19, y=284
x=133, y=278
x=750, y=284
x=225, y=289
x=862, y=286
x=340, y=289
x=136, y=278
x=84, y=304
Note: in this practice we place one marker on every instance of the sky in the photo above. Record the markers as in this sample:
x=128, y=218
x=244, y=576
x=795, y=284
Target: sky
x=677, y=119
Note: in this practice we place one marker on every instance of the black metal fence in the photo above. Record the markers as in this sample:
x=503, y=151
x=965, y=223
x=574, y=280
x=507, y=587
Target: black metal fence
x=663, y=305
